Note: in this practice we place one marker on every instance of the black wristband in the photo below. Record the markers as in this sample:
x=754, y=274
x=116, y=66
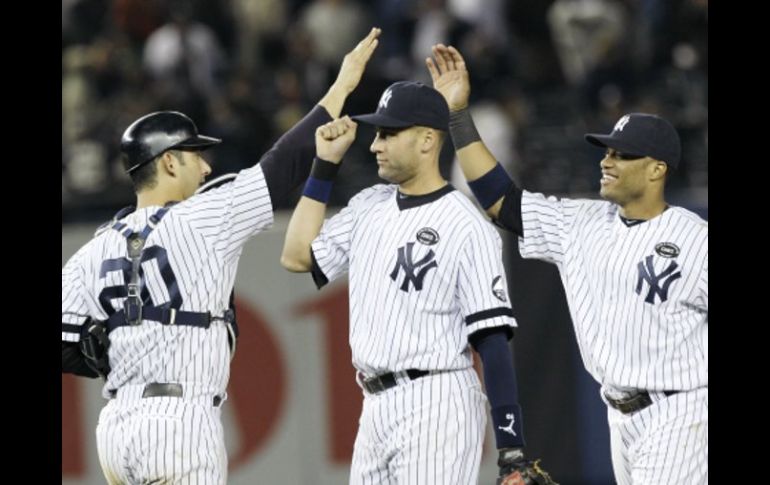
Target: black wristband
x=462, y=128
x=323, y=170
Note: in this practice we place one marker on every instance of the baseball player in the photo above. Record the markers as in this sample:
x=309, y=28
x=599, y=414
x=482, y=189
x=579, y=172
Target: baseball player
x=635, y=272
x=426, y=282
x=154, y=288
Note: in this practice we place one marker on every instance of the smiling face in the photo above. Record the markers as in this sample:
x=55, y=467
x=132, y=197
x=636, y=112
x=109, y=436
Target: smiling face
x=625, y=177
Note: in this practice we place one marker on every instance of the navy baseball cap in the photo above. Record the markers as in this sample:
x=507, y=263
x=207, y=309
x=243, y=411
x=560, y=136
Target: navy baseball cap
x=642, y=134
x=409, y=103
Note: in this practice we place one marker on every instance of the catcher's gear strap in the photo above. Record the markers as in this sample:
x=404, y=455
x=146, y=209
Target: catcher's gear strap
x=132, y=306
x=94, y=345
x=502, y=388
x=120, y=215
x=215, y=183
x=133, y=309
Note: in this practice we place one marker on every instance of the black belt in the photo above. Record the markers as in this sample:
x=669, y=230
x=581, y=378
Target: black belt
x=634, y=403
x=157, y=389
x=386, y=381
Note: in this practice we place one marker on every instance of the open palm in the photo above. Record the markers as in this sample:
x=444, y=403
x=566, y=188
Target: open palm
x=449, y=75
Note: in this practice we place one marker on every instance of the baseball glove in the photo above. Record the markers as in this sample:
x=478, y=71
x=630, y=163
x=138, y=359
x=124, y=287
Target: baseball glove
x=515, y=470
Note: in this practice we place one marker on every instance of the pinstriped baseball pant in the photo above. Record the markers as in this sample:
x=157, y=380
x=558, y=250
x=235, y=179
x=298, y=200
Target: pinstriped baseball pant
x=162, y=440
x=428, y=431
x=664, y=443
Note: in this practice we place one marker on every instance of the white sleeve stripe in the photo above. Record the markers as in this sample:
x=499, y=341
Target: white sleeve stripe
x=70, y=337
x=73, y=318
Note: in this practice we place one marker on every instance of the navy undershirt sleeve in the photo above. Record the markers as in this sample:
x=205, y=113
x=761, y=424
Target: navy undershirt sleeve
x=501, y=386
x=287, y=164
x=509, y=217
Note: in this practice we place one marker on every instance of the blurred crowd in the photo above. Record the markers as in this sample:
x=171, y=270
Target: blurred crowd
x=543, y=72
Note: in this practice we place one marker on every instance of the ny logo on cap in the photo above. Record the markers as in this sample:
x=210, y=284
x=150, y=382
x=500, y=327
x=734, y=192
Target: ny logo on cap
x=621, y=123
x=385, y=98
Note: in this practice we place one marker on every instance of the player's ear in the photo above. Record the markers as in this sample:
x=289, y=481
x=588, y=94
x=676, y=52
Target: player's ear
x=169, y=163
x=658, y=170
x=429, y=139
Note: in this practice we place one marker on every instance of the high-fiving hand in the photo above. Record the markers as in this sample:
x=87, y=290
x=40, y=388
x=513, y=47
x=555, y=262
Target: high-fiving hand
x=355, y=61
x=450, y=77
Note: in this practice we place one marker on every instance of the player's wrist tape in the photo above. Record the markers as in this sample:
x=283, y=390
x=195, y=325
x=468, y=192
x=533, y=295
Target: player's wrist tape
x=509, y=431
x=319, y=184
x=323, y=170
x=462, y=129
x=491, y=186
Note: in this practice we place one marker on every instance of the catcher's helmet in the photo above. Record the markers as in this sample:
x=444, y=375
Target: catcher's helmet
x=153, y=134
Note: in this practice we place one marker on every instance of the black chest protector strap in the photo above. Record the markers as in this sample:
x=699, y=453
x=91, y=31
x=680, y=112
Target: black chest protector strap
x=94, y=339
x=134, y=310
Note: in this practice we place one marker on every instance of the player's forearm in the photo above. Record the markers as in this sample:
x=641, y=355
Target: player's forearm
x=502, y=389
x=304, y=226
x=334, y=99
x=475, y=160
x=288, y=162
x=350, y=73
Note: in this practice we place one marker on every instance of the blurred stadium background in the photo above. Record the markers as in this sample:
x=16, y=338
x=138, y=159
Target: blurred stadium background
x=543, y=73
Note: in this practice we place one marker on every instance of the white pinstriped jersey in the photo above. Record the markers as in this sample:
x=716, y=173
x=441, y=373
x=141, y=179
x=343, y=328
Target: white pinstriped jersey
x=638, y=295
x=202, y=239
x=421, y=279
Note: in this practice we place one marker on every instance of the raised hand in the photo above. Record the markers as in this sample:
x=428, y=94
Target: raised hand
x=449, y=75
x=333, y=139
x=355, y=61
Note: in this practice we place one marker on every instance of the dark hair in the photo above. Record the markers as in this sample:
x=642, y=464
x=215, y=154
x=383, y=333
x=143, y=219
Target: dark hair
x=146, y=176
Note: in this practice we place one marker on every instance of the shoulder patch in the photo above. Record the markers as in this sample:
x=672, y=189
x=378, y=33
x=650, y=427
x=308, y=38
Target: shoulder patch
x=427, y=236
x=498, y=289
x=667, y=249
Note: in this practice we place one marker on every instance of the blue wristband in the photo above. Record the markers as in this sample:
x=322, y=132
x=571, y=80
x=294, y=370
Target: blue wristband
x=491, y=186
x=320, y=190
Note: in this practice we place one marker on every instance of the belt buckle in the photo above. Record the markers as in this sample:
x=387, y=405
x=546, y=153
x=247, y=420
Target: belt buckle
x=633, y=403
x=132, y=306
x=374, y=385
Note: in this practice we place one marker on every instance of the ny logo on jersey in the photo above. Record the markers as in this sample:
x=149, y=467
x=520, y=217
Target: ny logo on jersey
x=405, y=261
x=385, y=98
x=647, y=273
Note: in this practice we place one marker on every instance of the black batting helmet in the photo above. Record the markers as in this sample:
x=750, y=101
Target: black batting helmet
x=153, y=134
